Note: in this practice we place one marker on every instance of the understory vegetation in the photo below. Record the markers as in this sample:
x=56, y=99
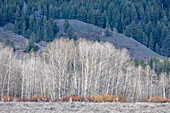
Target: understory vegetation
x=81, y=69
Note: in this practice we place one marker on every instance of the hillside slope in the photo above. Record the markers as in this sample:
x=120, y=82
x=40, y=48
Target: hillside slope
x=85, y=30
x=18, y=40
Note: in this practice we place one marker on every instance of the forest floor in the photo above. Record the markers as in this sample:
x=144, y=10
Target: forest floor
x=83, y=107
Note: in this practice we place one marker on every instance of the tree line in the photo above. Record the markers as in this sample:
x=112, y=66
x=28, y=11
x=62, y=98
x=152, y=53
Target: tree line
x=79, y=68
x=155, y=64
x=146, y=21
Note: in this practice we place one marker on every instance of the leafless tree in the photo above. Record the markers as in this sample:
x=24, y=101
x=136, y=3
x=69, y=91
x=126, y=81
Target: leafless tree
x=80, y=68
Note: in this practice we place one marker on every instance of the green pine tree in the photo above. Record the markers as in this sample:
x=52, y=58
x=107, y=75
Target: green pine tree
x=134, y=14
x=157, y=49
x=150, y=63
x=31, y=22
x=50, y=31
x=66, y=25
x=145, y=39
x=7, y=42
x=24, y=29
x=31, y=42
x=32, y=51
x=163, y=35
x=151, y=44
x=16, y=27
x=106, y=32
x=166, y=47
x=127, y=31
x=97, y=38
x=142, y=63
x=70, y=33
x=136, y=63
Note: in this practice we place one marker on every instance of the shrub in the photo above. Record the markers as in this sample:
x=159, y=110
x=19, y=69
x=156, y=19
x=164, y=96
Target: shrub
x=76, y=98
x=36, y=98
x=43, y=98
x=159, y=99
x=100, y=98
x=96, y=98
x=108, y=98
x=92, y=98
x=83, y=99
x=121, y=98
x=24, y=99
x=115, y=98
x=63, y=99
x=145, y=99
x=7, y=98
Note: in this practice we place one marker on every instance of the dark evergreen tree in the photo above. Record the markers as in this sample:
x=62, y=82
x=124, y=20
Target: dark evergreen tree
x=89, y=16
x=155, y=14
x=142, y=63
x=136, y=63
x=145, y=39
x=44, y=28
x=28, y=34
x=97, y=38
x=106, y=32
x=72, y=13
x=51, y=11
x=10, y=14
x=7, y=42
x=24, y=27
x=31, y=22
x=158, y=32
x=82, y=14
x=70, y=33
x=166, y=65
x=104, y=19
x=17, y=15
x=31, y=42
x=157, y=49
x=134, y=15
x=150, y=63
x=139, y=32
x=16, y=27
x=2, y=18
x=50, y=31
x=99, y=20
x=148, y=28
x=56, y=29
x=163, y=35
x=128, y=31
x=151, y=44
x=166, y=47
x=66, y=25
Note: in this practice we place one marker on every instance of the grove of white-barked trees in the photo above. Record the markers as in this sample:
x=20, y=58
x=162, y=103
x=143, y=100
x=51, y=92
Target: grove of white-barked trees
x=80, y=68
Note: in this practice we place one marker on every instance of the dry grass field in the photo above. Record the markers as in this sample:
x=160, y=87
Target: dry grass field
x=83, y=107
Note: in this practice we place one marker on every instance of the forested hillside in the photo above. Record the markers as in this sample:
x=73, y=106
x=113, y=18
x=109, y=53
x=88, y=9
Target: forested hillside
x=80, y=68
x=146, y=21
